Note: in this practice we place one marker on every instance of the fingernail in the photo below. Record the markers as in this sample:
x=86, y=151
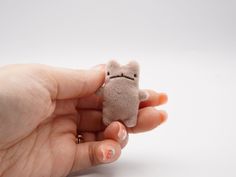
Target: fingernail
x=163, y=98
x=122, y=134
x=108, y=153
x=163, y=117
x=98, y=67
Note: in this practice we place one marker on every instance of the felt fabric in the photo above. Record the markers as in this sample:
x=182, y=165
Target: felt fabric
x=121, y=94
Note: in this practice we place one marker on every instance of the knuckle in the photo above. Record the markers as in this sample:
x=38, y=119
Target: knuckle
x=92, y=155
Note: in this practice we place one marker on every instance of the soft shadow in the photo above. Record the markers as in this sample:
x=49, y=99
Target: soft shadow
x=112, y=170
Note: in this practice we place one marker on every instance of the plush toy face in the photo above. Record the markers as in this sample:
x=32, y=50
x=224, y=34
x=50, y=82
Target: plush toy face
x=129, y=72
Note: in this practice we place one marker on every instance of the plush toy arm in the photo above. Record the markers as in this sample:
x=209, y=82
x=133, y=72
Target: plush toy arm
x=99, y=92
x=143, y=95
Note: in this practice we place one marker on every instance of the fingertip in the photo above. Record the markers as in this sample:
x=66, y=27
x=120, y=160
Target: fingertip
x=163, y=98
x=108, y=152
x=163, y=116
x=113, y=127
x=95, y=153
x=156, y=117
x=92, y=80
x=117, y=132
x=148, y=119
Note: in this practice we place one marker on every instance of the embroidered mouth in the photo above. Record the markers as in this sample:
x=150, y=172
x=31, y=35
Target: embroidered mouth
x=124, y=76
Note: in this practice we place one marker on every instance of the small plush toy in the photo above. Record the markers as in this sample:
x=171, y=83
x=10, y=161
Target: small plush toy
x=121, y=94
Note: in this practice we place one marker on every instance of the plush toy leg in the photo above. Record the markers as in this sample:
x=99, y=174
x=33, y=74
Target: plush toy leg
x=107, y=121
x=131, y=122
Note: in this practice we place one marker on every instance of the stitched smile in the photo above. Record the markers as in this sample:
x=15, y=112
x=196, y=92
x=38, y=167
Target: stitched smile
x=127, y=77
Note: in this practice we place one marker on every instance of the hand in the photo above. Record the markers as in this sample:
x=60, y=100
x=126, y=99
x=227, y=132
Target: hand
x=42, y=110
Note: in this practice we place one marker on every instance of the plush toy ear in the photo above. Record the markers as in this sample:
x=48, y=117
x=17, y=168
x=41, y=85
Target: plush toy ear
x=113, y=64
x=134, y=66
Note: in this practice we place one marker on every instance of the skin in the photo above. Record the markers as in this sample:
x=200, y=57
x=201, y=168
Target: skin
x=42, y=109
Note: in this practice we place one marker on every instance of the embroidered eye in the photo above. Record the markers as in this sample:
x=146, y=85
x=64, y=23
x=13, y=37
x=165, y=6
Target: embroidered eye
x=135, y=75
x=108, y=73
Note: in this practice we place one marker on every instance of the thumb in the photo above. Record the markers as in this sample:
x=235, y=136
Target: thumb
x=94, y=153
x=69, y=83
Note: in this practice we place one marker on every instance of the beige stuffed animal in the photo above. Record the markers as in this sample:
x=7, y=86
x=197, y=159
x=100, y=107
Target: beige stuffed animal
x=121, y=94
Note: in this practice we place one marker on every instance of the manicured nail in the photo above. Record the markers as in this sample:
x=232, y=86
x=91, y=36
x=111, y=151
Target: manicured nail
x=108, y=153
x=122, y=134
x=163, y=116
x=163, y=98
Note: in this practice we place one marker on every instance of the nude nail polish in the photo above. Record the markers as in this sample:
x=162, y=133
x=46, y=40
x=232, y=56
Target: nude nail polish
x=122, y=134
x=108, y=153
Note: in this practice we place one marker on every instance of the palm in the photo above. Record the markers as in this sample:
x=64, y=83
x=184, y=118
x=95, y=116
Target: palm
x=51, y=147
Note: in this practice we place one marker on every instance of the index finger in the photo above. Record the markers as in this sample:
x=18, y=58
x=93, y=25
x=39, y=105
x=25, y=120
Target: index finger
x=69, y=83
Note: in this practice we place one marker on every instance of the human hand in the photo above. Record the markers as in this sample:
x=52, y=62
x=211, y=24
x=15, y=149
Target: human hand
x=42, y=110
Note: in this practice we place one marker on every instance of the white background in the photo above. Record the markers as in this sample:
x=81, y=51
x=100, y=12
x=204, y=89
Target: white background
x=186, y=48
